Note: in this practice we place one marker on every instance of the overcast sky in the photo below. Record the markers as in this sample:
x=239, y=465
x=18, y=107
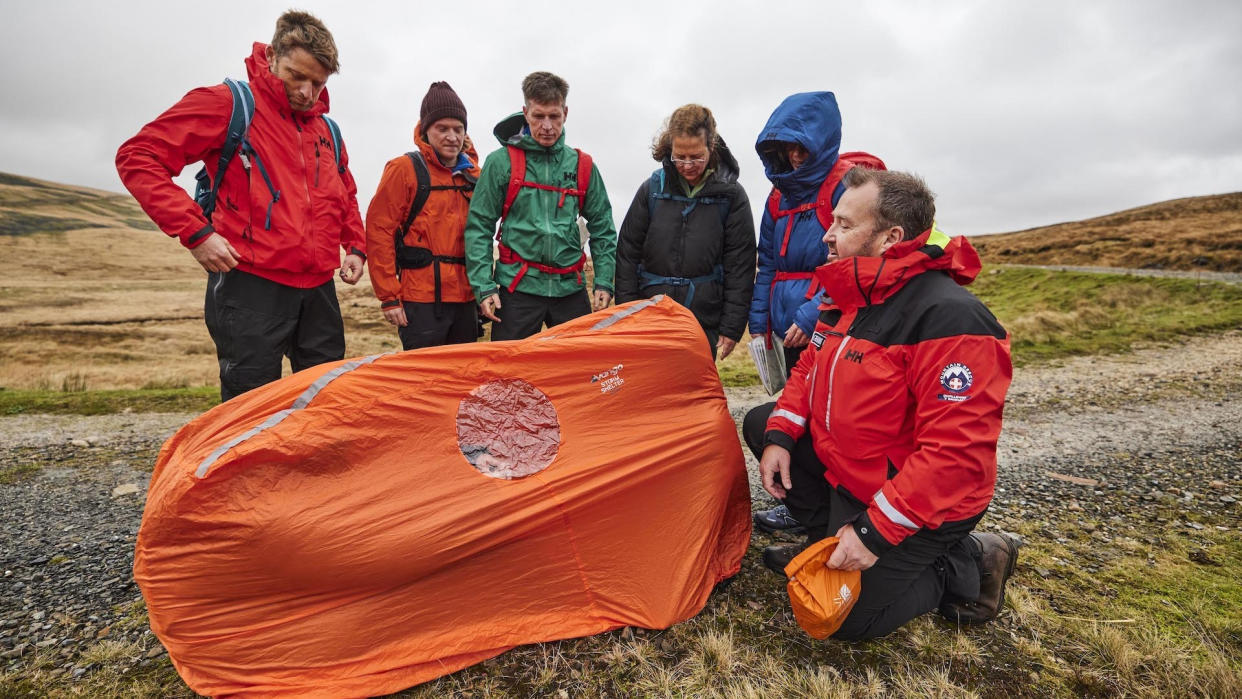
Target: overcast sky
x=1017, y=115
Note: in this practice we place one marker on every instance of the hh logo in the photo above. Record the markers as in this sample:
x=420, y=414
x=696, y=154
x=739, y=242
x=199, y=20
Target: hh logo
x=570, y=177
x=853, y=356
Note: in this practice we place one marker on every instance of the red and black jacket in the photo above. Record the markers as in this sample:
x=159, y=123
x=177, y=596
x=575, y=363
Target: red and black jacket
x=902, y=388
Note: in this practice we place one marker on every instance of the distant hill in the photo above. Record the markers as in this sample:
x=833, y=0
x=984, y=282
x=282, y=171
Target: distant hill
x=33, y=206
x=1188, y=234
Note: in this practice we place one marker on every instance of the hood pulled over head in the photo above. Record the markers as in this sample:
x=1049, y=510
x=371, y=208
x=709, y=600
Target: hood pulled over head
x=813, y=120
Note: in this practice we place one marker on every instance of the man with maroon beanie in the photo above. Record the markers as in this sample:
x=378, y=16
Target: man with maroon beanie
x=415, y=226
x=285, y=208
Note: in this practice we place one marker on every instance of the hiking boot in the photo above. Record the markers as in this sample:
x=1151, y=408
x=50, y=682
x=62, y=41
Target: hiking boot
x=778, y=519
x=998, y=554
x=775, y=558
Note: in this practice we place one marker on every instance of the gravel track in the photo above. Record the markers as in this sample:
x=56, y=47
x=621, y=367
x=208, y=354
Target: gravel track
x=1133, y=442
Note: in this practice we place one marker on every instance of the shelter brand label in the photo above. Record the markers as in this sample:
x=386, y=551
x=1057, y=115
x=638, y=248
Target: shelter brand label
x=610, y=380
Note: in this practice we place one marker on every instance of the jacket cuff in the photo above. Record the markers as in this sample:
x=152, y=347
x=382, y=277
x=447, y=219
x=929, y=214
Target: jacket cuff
x=604, y=287
x=197, y=238
x=359, y=253
x=481, y=295
x=778, y=438
x=870, y=536
x=390, y=304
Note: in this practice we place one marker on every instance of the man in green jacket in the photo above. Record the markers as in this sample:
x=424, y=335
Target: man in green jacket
x=538, y=277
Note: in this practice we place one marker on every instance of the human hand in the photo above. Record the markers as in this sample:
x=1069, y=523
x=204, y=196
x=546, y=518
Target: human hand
x=725, y=346
x=351, y=269
x=794, y=337
x=851, y=553
x=775, y=459
x=396, y=316
x=215, y=254
x=489, y=306
x=600, y=300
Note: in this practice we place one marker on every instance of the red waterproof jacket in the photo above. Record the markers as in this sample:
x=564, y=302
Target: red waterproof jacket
x=317, y=210
x=902, y=388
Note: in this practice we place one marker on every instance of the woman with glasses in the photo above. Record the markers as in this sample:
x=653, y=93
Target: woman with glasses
x=689, y=232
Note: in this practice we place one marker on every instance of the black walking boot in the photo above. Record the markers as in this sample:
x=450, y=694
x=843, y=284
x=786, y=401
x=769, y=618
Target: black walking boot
x=775, y=558
x=998, y=555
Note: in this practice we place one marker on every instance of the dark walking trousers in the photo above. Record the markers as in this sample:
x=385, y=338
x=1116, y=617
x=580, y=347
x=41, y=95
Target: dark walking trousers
x=522, y=314
x=255, y=322
x=907, y=581
x=455, y=324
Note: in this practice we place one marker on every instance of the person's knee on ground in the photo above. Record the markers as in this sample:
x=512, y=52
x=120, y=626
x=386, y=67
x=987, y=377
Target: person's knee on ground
x=753, y=426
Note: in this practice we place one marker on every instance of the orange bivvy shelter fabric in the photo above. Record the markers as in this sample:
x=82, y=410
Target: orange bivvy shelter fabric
x=366, y=525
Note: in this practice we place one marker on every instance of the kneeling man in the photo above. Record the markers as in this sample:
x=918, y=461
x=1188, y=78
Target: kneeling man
x=885, y=435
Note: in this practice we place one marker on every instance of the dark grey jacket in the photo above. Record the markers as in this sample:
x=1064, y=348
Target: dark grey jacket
x=672, y=236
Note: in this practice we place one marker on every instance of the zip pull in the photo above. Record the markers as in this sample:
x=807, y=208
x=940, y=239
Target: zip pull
x=316, y=163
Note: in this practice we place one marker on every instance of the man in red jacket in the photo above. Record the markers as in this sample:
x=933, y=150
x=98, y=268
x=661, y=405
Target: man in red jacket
x=285, y=208
x=885, y=435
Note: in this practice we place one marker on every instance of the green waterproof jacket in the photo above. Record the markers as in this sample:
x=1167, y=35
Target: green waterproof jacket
x=536, y=228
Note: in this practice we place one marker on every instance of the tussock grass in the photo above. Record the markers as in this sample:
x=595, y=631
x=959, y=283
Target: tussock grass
x=1060, y=635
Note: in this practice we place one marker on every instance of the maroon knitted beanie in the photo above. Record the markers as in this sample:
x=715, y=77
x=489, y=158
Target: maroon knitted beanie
x=440, y=103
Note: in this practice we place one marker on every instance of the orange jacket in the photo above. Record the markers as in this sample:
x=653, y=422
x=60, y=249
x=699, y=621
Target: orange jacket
x=439, y=226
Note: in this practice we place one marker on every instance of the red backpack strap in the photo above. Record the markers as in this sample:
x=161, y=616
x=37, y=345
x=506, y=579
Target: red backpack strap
x=584, y=177
x=845, y=162
x=774, y=202
x=517, y=175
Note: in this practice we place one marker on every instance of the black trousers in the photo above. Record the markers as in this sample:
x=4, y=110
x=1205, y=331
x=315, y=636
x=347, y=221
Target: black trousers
x=255, y=322
x=458, y=323
x=522, y=315
x=791, y=358
x=927, y=568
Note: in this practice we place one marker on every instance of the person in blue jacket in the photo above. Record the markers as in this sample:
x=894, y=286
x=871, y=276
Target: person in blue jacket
x=799, y=147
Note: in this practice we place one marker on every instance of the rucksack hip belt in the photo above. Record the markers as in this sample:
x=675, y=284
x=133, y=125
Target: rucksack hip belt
x=414, y=257
x=648, y=279
x=509, y=257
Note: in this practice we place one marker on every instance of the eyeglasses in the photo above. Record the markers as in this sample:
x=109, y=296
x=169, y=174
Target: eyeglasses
x=687, y=162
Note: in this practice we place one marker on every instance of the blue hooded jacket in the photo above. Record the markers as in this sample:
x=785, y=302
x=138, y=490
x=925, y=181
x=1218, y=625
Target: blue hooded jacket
x=813, y=120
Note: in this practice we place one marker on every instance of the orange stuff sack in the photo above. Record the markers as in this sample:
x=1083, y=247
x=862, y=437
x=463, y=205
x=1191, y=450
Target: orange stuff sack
x=821, y=597
x=370, y=524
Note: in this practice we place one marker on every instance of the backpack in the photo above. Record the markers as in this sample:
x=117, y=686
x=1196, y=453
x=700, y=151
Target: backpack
x=412, y=256
x=829, y=192
x=235, y=140
x=517, y=180
x=658, y=190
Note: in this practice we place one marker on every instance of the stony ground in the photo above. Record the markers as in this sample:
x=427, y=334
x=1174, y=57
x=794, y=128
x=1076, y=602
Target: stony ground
x=1126, y=444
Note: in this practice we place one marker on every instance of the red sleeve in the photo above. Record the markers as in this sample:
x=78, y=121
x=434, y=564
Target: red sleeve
x=191, y=130
x=385, y=215
x=788, y=421
x=955, y=434
x=353, y=233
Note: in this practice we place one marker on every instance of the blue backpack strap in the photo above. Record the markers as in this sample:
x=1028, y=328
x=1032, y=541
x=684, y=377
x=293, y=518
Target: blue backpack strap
x=658, y=189
x=336, y=142
x=239, y=123
x=655, y=190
